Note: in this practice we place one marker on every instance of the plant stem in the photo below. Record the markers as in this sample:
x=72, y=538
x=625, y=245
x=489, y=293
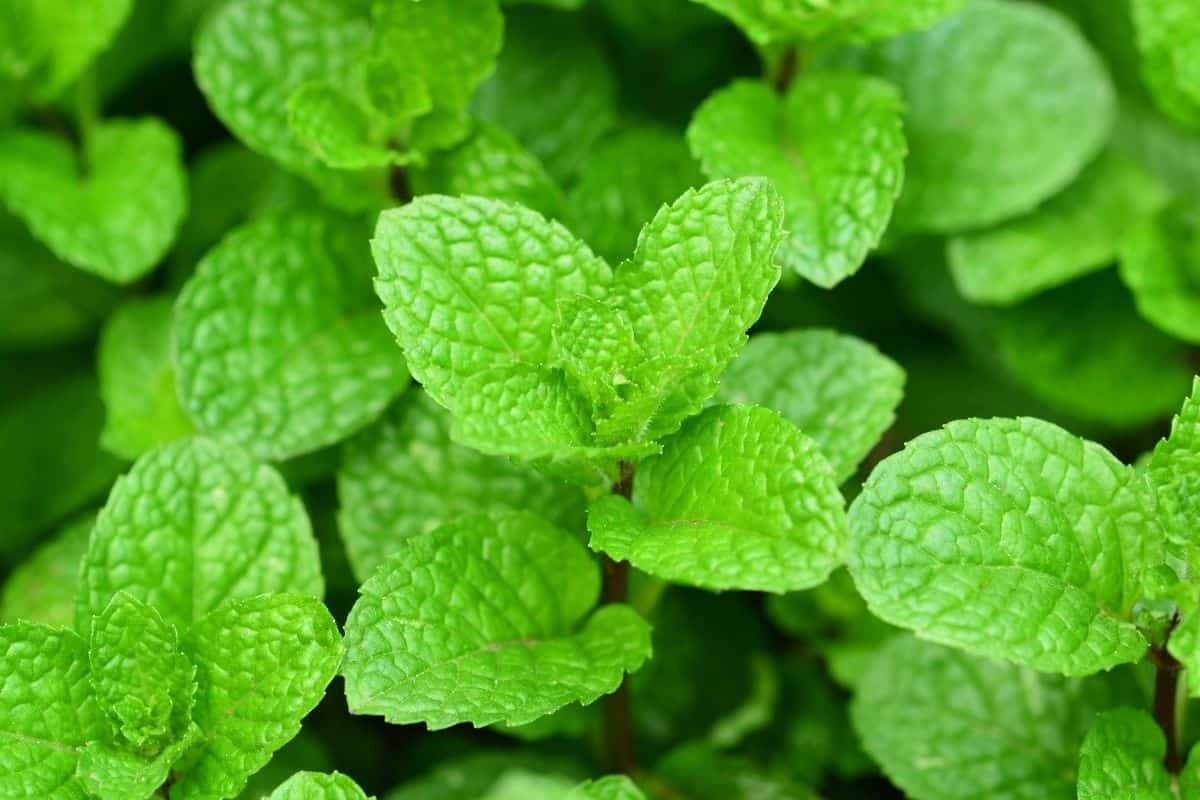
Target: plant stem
x=1166, y=699
x=87, y=115
x=618, y=717
x=786, y=70
x=398, y=182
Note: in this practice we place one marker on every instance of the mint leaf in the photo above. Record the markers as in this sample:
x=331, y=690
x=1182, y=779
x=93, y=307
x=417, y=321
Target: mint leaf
x=43, y=587
x=471, y=776
x=834, y=148
x=278, y=341
x=1174, y=472
x=404, y=476
x=1073, y=233
x=111, y=773
x=837, y=389
x=262, y=663
x=1031, y=133
x=137, y=379
x=947, y=531
x=318, y=786
x=48, y=713
x=1160, y=263
x=610, y=787
x=765, y=21
x=696, y=771
x=1166, y=150
x=623, y=183
x=507, y=594
x=115, y=216
x=192, y=525
x=336, y=128
x=1168, y=33
x=738, y=499
x=1122, y=756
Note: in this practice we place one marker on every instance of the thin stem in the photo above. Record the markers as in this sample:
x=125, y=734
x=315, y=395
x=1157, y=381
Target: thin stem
x=618, y=717
x=1166, y=700
x=398, y=180
x=786, y=70
x=87, y=115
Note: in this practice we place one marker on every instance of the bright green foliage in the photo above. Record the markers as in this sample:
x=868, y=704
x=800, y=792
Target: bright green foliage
x=949, y=726
x=262, y=663
x=837, y=389
x=1122, y=757
x=1168, y=38
x=1039, y=103
x=112, y=773
x=335, y=128
x=277, y=337
x=551, y=68
x=48, y=712
x=611, y=787
x=1174, y=472
x=113, y=209
x=968, y=517
x=193, y=525
x=1073, y=233
x=738, y=499
x=403, y=476
x=834, y=148
x=316, y=786
x=43, y=588
x=1160, y=262
x=624, y=182
x=472, y=776
x=137, y=379
x=767, y=21
x=482, y=621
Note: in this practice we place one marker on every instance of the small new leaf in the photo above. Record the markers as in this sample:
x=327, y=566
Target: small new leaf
x=1160, y=263
x=1122, y=757
x=318, y=786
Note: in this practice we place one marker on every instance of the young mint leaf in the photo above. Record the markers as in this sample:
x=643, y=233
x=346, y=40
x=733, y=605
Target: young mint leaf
x=738, y=499
x=277, y=337
x=262, y=663
x=111, y=773
x=520, y=784
x=610, y=787
x=43, y=588
x=143, y=683
x=48, y=712
x=471, y=776
x=1075, y=232
x=115, y=213
x=834, y=148
x=192, y=525
x=551, y=68
x=1174, y=472
x=404, y=476
x=317, y=786
x=1160, y=263
x=137, y=379
x=1122, y=756
x=837, y=389
x=1168, y=35
x=482, y=621
x=336, y=128
x=624, y=182
x=945, y=725
x=948, y=531
x=768, y=21
x=1030, y=134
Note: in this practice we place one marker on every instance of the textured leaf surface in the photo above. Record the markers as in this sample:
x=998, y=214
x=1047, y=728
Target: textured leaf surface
x=119, y=219
x=1122, y=757
x=1039, y=102
x=1075, y=232
x=43, y=588
x=947, y=532
x=482, y=621
x=1168, y=38
x=110, y=772
x=610, y=787
x=1160, y=263
x=837, y=389
x=278, y=340
x=137, y=379
x=404, y=476
x=262, y=663
x=192, y=525
x=318, y=786
x=335, y=127
x=47, y=714
x=834, y=149
x=767, y=21
x=1174, y=472
x=738, y=499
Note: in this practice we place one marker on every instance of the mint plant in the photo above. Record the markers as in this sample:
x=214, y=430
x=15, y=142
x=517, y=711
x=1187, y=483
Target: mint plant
x=599, y=399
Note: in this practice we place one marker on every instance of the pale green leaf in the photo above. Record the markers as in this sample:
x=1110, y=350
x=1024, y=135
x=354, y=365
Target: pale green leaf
x=1122, y=759
x=43, y=587
x=482, y=621
x=318, y=786
x=1160, y=263
x=520, y=784
x=767, y=21
x=738, y=499
x=947, y=532
x=1174, y=472
x=832, y=146
x=278, y=342
x=837, y=389
x=1168, y=38
x=697, y=772
x=112, y=773
x=610, y=787
x=335, y=127
x=470, y=776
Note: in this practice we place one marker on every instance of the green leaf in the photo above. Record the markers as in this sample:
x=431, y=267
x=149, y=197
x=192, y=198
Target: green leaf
x=1167, y=151
x=768, y=21
x=318, y=786
x=262, y=663
x=482, y=621
x=1122, y=757
x=738, y=499
x=1031, y=133
x=336, y=128
x=1168, y=35
x=112, y=773
x=115, y=213
x=834, y=148
x=1160, y=263
x=47, y=714
x=610, y=787
x=137, y=379
x=404, y=476
x=143, y=683
x=471, y=776
x=551, y=68
x=43, y=588
x=945, y=725
x=1073, y=233
x=837, y=389
x=1174, y=472
x=520, y=784
x=624, y=182
x=948, y=531
x=193, y=525
x=277, y=337
x=694, y=770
